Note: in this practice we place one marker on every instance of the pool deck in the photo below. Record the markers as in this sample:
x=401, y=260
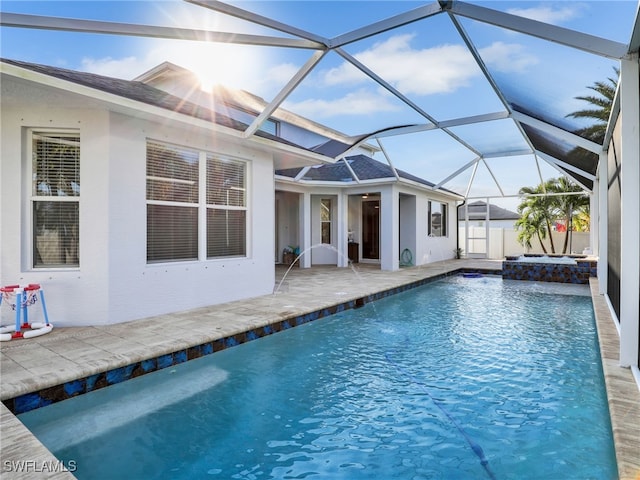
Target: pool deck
x=67, y=354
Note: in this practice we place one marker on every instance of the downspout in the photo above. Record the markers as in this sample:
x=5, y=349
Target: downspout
x=458, y=222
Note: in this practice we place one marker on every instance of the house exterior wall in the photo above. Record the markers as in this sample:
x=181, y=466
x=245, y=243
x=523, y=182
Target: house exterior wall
x=408, y=233
x=114, y=283
x=75, y=296
x=293, y=222
x=434, y=249
x=403, y=222
x=185, y=285
x=287, y=224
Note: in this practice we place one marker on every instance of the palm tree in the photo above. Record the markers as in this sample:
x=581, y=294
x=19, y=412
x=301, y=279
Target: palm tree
x=600, y=108
x=565, y=207
x=528, y=225
x=582, y=219
x=535, y=217
x=538, y=212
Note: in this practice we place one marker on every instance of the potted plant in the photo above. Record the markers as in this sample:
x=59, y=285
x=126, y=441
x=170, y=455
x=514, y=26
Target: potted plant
x=289, y=254
x=457, y=252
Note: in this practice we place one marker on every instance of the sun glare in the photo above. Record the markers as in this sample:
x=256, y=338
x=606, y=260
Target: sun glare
x=228, y=64
x=218, y=64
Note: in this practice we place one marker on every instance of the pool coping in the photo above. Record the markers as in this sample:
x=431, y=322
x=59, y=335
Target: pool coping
x=623, y=393
x=54, y=391
x=626, y=434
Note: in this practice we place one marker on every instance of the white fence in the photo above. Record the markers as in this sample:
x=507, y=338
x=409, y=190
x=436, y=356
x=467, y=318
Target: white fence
x=503, y=242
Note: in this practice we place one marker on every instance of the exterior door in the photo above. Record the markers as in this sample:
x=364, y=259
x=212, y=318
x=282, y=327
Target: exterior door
x=371, y=230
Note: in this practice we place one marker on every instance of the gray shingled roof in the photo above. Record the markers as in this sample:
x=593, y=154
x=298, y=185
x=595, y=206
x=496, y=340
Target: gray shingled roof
x=477, y=212
x=364, y=167
x=144, y=93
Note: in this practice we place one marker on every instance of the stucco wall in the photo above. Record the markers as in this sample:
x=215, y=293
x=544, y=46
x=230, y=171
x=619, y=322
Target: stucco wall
x=288, y=222
x=434, y=249
x=75, y=296
x=114, y=283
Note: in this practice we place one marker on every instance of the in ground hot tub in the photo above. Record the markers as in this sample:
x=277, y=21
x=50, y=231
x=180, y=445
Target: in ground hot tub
x=550, y=268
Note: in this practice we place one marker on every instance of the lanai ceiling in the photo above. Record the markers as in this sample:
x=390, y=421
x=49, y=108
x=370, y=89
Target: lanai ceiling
x=475, y=97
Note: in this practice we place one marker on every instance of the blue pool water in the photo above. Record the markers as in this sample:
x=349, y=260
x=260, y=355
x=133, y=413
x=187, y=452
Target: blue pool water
x=465, y=378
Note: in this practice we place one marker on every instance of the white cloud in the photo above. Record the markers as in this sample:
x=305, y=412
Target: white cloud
x=440, y=69
x=507, y=57
x=233, y=65
x=436, y=70
x=361, y=102
x=549, y=13
x=125, y=68
x=275, y=77
x=427, y=71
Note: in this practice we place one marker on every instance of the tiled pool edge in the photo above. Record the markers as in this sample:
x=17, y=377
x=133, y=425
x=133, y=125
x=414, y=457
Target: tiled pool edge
x=69, y=389
x=624, y=406
x=550, y=272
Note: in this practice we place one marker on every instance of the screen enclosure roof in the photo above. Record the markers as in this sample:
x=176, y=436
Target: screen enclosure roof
x=478, y=98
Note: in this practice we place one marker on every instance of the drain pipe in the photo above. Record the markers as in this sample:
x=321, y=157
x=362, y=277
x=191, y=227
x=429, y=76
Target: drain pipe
x=458, y=223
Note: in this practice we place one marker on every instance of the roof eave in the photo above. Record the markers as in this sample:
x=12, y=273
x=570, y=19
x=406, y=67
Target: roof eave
x=367, y=182
x=285, y=155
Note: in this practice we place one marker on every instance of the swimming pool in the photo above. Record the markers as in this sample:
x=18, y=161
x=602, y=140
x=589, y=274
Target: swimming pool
x=428, y=383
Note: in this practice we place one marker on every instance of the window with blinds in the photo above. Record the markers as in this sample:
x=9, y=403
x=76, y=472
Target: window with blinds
x=172, y=233
x=226, y=208
x=172, y=173
x=172, y=203
x=180, y=200
x=55, y=198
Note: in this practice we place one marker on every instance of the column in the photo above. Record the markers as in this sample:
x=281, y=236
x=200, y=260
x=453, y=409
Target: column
x=389, y=229
x=630, y=212
x=305, y=229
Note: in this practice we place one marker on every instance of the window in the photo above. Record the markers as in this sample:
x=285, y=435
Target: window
x=269, y=125
x=55, y=198
x=226, y=208
x=325, y=220
x=184, y=205
x=172, y=203
x=437, y=219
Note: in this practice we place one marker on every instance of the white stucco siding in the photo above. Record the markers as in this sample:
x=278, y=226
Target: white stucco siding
x=408, y=228
x=389, y=227
x=75, y=296
x=287, y=223
x=113, y=282
x=434, y=249
x=139, y=289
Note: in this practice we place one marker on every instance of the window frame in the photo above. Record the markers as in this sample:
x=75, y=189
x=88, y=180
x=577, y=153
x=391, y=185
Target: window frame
x=327, y=223
x=443, y=210
x=204, y=206
x=175, y=187
x=228, y=207
x=247, y=116
x=32, y=186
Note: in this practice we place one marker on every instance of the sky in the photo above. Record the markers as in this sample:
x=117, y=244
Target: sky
x=426, y=61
